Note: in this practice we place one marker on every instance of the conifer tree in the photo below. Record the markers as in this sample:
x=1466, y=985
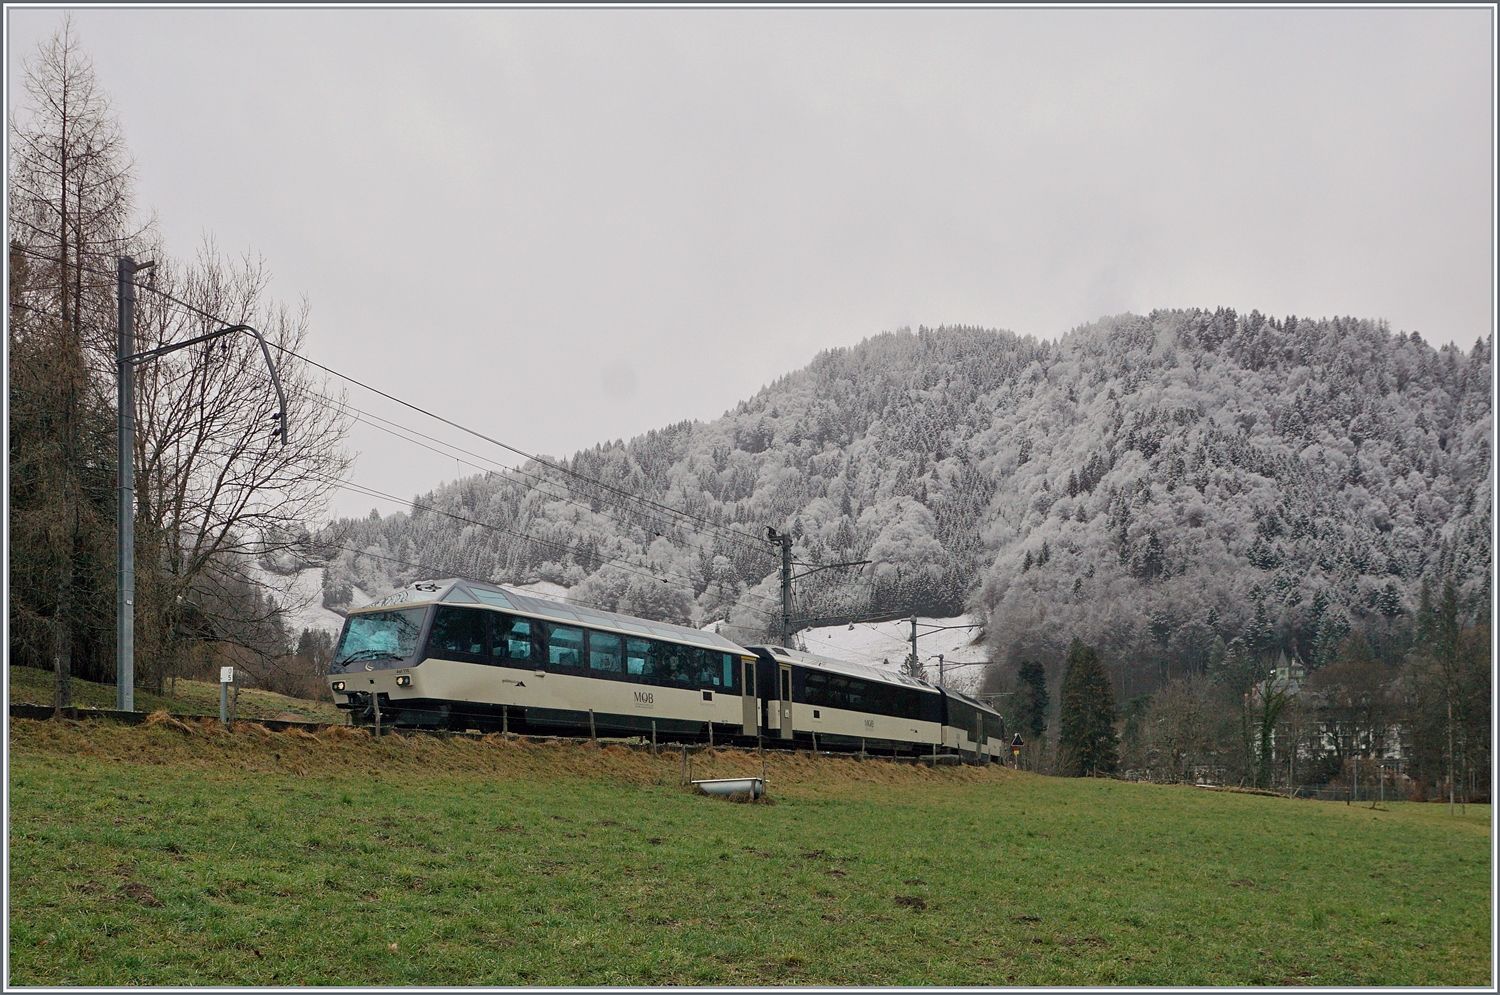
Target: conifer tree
x=1087, y=743
x=1032, y=702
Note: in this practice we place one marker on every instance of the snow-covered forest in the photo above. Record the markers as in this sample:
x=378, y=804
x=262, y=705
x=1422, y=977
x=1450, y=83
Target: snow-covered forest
x=1154, y=485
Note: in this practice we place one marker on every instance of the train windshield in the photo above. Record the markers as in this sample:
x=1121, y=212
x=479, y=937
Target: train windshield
x=388, y=635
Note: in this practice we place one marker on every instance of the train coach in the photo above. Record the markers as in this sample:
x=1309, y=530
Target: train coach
x=461, y=654
x=814, y=700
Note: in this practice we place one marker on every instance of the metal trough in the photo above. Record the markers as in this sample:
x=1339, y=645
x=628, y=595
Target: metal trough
x=753, y=786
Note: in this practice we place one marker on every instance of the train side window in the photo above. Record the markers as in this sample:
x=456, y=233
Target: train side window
x=457, y=633
x=672, y=665
x=706, y=663
x=604, y=651
x=638, y=658
x=514, y=638
x=684, y=664
x=838, y=693
x=815, y=688
x=565, y=645
x=728, y=671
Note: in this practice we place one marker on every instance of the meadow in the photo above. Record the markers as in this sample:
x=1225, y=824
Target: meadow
x=186, y=854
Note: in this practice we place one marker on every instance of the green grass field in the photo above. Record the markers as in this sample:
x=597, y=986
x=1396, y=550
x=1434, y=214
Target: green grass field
x=29, y=685
x=154, y=855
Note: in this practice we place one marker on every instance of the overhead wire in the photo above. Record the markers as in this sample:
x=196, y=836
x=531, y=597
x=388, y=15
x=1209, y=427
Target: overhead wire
x=622, y=564
x=719, y=532
x=724, y=532
x=490, y=466
x=370, y=492
x=730, y=534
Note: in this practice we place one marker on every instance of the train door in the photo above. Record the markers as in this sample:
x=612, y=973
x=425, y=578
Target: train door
x=749, y=707
x=786, y=702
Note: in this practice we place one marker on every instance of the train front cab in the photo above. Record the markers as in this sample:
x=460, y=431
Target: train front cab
x=471, y=675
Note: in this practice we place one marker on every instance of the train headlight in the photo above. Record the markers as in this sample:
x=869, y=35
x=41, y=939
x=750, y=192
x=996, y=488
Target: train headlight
x=403, y=681
x=338, y=685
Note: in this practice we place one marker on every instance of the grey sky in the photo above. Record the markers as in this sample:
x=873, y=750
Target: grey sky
x=565, y=227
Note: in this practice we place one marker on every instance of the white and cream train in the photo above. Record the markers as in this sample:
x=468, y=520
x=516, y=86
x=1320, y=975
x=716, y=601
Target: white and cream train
x=461, y=654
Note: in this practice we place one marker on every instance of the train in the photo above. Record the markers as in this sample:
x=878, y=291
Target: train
x=462, y=654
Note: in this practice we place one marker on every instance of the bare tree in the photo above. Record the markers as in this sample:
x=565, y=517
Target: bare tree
x=214, y=489
x=1264, y=707
x=70, y=207
x=217, y=488
x=1354, y=695
x=1177, y=728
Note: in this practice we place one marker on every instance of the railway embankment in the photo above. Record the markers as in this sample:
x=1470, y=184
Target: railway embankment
x=309, y=749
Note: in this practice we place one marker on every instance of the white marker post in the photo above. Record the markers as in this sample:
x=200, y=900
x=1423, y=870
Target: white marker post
x=226, y=678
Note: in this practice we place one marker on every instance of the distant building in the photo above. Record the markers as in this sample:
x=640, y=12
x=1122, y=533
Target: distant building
x=1289, y=673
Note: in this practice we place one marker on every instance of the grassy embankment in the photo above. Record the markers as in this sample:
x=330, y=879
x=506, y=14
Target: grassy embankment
x=30, y=685
x=157, y=855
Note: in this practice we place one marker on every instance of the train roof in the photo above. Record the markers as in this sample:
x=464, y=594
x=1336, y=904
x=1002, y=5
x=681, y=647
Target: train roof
x=458, y=591
x=861, y=670
x=868, y=671
x=970, y=700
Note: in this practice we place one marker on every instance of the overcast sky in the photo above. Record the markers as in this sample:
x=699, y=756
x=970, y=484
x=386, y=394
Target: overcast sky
x=566, y=227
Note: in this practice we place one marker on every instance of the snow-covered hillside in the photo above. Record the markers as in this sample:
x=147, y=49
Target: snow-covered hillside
x=1152, y=485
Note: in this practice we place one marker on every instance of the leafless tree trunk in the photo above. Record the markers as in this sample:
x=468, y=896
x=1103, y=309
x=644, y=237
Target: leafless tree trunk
x=71, y=182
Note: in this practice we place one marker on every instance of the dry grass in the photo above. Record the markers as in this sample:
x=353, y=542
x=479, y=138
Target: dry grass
x=342, y=751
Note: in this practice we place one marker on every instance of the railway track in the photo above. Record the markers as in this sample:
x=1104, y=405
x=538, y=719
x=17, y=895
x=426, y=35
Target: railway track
x=44, y=713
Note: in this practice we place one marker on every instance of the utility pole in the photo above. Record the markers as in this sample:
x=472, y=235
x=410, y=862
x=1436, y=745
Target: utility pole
x=785, y=542
x=914, y=662
x=125, y=270
x=786, y=590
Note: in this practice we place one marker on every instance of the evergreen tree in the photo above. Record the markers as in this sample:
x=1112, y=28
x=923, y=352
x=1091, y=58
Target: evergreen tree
x=1032, y=702
x=1087, y=743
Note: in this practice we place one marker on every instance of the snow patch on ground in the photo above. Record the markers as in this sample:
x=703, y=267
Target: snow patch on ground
x=887, y=644
x=301, y=594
